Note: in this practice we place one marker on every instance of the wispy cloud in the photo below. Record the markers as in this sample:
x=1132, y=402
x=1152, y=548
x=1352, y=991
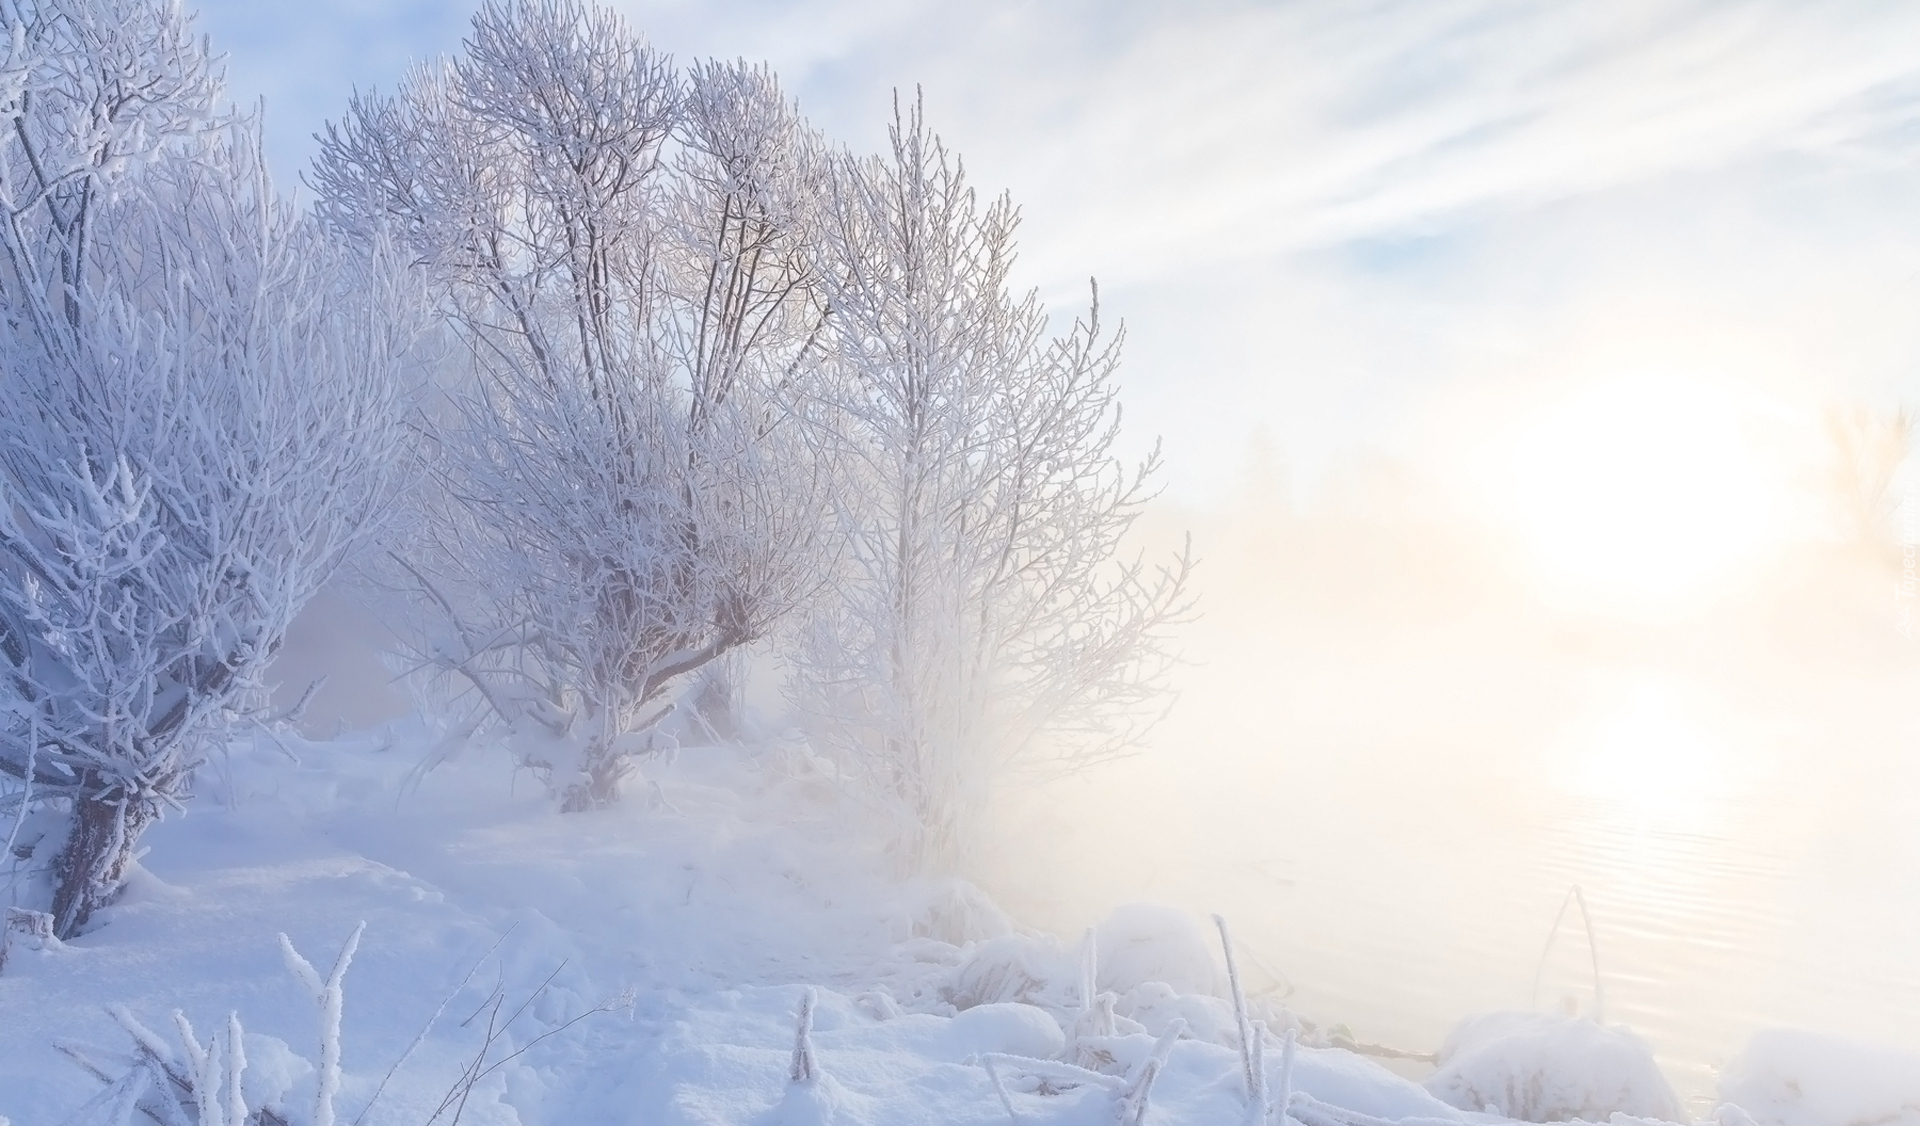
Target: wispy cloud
x=1327, y=214
x=1154, y=135
x=1165, y=135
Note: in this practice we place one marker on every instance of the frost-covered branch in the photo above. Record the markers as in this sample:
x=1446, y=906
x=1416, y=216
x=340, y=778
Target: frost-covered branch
x=328, y=998
x=1249, y=1045
x=162, y=1085
x=1139, y=1090
x=483, y=1064
x=618, y=247
x=983, y=619
x=805, y=1067
x=200, y=418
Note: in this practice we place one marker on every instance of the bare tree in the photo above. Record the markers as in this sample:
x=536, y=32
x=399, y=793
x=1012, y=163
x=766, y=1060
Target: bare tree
x=982, y=620
x=199, y=412
x=621, y=251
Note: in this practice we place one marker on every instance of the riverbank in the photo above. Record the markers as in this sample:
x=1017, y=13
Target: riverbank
x=649, y=964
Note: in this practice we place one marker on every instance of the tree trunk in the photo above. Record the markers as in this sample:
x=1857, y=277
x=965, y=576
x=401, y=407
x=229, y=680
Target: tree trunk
x=605, y=771
x=91, y=868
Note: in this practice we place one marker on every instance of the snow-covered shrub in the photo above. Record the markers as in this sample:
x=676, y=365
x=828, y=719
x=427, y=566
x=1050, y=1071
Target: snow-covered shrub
x=199, y=418
x=623, y=497
x=980, y=620
x=1016, y=968
x=957, y=912
x=1149, y=942
x=1544, y=1067
x=235, y=1078
x=1788, y=1077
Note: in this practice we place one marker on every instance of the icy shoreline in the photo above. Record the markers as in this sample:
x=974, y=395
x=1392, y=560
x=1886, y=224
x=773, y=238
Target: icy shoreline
x=698, y=916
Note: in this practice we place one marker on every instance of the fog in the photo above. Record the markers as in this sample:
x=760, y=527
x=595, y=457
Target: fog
x=1495, y=350
x=1419, y=702
x=1401, y=738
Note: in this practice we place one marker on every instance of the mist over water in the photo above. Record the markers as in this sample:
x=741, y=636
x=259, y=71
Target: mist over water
x=1398, y=742
x=1393, y=755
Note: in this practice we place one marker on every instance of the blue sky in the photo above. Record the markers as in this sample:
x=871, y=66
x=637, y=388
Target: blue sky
x=1355, y=224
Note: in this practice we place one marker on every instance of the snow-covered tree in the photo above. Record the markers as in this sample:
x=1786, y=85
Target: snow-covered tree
x=982, y=620
x=199, y=414
x=618, y=248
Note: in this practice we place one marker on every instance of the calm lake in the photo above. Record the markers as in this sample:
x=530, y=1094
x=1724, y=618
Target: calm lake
x=1388, y=768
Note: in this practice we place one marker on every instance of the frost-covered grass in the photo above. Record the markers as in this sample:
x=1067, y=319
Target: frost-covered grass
x=724, y=952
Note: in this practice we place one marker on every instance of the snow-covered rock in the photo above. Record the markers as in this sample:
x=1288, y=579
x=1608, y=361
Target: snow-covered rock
x=1788, y=1077
x=1543, y=1067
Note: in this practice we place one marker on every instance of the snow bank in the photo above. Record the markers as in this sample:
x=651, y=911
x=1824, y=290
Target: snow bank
x=1794, y=1078
x=725, y=1063
x=733, y=882
x=1543, y=1067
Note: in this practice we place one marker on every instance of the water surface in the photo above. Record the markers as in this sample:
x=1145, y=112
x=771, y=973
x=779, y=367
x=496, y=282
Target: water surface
x=1388, y=769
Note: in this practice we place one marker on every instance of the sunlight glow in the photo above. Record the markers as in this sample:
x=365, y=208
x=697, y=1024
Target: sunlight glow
x=1651, y=757
x=1643, y=485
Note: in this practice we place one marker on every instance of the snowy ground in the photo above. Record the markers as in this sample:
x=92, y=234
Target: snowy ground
x=648, y=965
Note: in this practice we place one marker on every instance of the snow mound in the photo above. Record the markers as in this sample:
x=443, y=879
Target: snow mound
x=273, y=1071
x=1352, y=1082
x=724, y=1059
x=1155, y=1005
x=1787, y=1077
x=1016, y=1030
x=1016, y=967
x=1144, y=942
x=1542, y=1067
x=820, y=1101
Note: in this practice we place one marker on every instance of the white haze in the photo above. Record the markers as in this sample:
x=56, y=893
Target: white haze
x=1393, y=238
x=1400, y=740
